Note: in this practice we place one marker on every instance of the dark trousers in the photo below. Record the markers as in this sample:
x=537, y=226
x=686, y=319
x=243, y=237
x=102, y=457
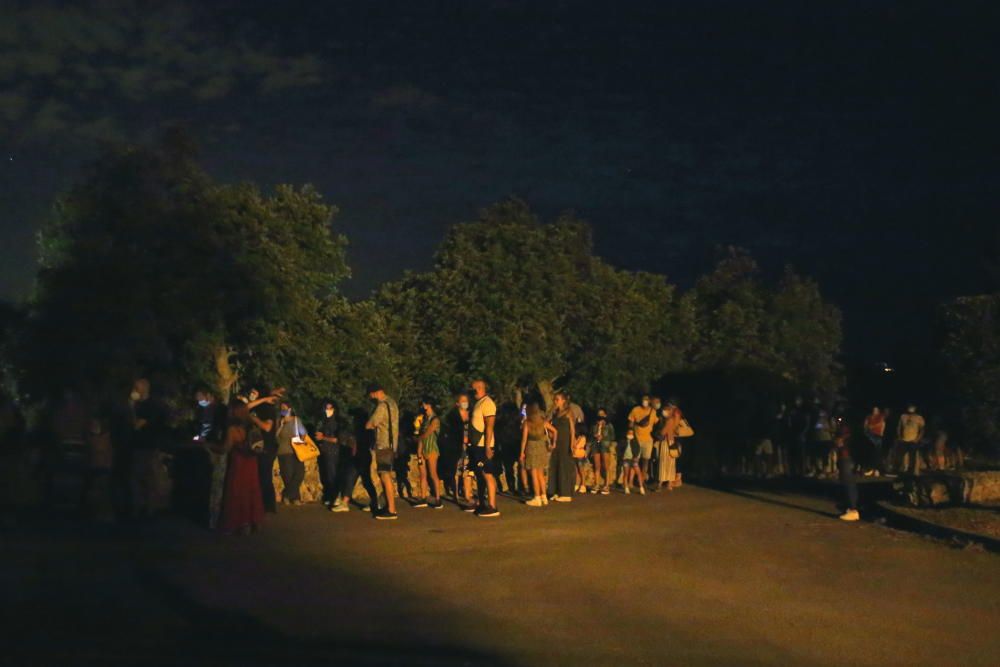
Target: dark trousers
x=346, y=475
x=846, y=468
x=329, y=461
x=292, y=473
x=362, y=468
x=562, y=471
x=265, y=467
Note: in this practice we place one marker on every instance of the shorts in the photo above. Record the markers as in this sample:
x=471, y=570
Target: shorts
x=602, y=447
x=646, y=450
x=385, y=460
x=480, y=462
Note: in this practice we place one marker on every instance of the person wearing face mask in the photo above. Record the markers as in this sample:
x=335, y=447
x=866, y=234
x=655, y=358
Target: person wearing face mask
x=670, y=416
x=642, y=419
x=292, y=470
x=603, y=438
x=209, y=428
x=630, y=464
x=327, y=432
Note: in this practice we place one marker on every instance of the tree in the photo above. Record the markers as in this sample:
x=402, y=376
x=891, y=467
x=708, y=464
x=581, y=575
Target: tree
x=787, y=330
x=149, y=267
x=971, y=352
x=529, y=306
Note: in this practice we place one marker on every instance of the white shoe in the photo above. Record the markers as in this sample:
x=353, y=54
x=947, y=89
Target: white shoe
x=545, y=501
x=850, y=515
x=343, y=507
x=564, y=499
x=534, y=502
x=628, y=491
x=642, y=490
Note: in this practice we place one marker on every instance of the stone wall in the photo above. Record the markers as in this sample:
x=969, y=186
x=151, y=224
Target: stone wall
x=950, y=488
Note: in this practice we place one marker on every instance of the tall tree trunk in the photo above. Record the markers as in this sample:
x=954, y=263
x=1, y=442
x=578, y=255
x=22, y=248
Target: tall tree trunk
x=548, y=392
x=226, y=376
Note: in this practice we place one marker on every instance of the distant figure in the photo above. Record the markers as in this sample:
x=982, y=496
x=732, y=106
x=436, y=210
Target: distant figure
x=292, y=470
x=463, y=469
x=603, y=439
x=428, y=454
x=845, y=467
x=482, y=446
x=242, y=505
x=822, y=445
x=97, y=486
x=384, y=422
x=910, y=436
x=874, y=427
x=537, y=442
x=562, y=470
x=209, y=427
x=149, y=424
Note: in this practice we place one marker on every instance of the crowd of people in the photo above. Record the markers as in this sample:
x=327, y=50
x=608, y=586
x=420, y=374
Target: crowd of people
x=467, y=453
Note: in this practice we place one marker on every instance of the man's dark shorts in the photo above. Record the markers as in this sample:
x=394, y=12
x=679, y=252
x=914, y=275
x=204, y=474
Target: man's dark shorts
x=480, y=462
x=384, y=460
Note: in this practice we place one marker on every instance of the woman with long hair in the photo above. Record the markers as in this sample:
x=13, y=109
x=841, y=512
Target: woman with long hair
x=562, y=470
x=292, y=470
x=428, y=453
x=242, y=503
x=537, y=437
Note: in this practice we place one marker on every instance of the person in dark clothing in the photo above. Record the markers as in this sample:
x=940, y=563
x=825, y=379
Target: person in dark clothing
x=264, y=416
x=328, y=441
x=210, y=417
x=149, y=436
x=562, y=470
x=845, y=466
x=290, y=429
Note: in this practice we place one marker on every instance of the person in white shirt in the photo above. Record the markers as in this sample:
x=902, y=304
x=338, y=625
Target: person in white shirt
x=482, y=450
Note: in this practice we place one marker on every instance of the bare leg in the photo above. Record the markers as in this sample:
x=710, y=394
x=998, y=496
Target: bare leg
x=431, y=466
x=606, y=463
x=491, y=489
x=422, y=490
x=390, y=491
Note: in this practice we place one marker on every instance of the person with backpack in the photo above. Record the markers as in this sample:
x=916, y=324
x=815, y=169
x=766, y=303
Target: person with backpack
x=384, y=422
x=642, y=419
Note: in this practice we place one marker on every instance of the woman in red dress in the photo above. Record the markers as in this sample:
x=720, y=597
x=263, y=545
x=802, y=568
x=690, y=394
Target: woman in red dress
x=242, y=506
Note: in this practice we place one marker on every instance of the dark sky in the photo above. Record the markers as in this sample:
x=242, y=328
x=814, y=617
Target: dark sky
x=854, y=140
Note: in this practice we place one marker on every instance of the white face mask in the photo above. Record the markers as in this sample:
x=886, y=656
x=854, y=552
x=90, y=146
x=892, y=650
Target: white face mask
x=629, y=436
x=135, y=396
x=666, y=413
x=464, y=405
x=329, y=413
x=645, y=404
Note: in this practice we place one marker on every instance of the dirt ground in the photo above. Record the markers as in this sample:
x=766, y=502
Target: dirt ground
x=694, y=577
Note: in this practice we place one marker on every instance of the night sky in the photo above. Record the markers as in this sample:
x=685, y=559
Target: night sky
x=854, y=140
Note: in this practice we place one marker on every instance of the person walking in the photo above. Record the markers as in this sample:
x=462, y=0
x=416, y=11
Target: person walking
x=292, y=470
x=384, y=421
x=562, y=471
x=242, y=505
x=603, y=438
x=537, y=438
x=482, y=446
x=428, y=453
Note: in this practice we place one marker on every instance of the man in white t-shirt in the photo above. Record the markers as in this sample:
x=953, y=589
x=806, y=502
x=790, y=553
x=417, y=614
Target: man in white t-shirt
x=481, y=449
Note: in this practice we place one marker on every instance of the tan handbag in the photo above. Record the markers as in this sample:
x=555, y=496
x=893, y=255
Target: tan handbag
x=580, y=447
x=305, y=449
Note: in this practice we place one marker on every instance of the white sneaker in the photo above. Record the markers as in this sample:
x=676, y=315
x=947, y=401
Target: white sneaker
x=642, y=490
x=628, y=491
x=344, y=507
x=850, y=515
x=534, y=502
x=564, y=499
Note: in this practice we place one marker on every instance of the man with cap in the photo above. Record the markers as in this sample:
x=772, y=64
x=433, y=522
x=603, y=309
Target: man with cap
x=384, y=421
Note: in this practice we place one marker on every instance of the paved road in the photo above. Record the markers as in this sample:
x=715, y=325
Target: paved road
x=696, y=577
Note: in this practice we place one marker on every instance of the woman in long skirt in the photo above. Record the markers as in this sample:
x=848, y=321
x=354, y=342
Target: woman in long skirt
x=242, y=505
x=562, y=469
